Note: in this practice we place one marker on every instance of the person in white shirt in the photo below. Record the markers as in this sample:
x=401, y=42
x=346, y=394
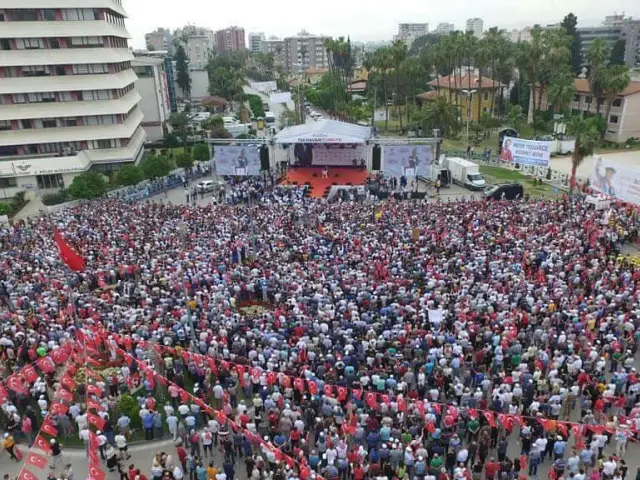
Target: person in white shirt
x=177, y=473
x=121, y=443
x=172, y=423
x=609, y=467
x=207, y=442
x=168, y=409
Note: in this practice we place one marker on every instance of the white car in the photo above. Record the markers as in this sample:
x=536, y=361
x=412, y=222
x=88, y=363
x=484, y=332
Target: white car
x=313, y=113
x=318, y=117
x=207, y=186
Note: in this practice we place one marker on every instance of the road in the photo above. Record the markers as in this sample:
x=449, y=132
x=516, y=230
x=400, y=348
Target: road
x=277, y=108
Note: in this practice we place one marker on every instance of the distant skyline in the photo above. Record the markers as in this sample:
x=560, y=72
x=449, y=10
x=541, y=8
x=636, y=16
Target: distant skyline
x=338, y=18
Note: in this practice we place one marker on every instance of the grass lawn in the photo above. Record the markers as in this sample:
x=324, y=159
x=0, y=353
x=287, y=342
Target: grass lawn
x=504, y=175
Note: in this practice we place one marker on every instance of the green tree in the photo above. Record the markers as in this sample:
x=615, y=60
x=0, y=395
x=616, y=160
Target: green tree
x=555, y=61
x=515, y=117
x=617, y=53
x=529, y=61
x=183, y=79
x=383, y=61
x=439, y=114
x=226, y=83
x=220, y=132
x=615, y=78
x=184, y=160
x=180, y=125
x=398, y=55
x=482, y=56
x=413, y=69
x=201, y=152
x=585, y=131
x=88, y=185
x=570, y=25
x=156, y=166
x=562, y=89
x=597, y=56
x=171, y=141
x=499, y=55
x=129, y=175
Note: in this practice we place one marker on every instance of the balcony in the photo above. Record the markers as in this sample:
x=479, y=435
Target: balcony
x=64, y=56
x=114, y=5
x=61, y=29
x=67, y=83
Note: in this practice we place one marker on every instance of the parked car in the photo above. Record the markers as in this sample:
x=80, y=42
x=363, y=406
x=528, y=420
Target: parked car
x=208, y=186
x=507, y=191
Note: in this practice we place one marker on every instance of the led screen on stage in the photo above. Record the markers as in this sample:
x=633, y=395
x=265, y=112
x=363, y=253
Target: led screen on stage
x=332, y=155
x=407, y=160
x=239, y=161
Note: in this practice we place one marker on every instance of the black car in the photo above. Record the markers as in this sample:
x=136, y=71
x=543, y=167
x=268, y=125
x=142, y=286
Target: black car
x=508, y=191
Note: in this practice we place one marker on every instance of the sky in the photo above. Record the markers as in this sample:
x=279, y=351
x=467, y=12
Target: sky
x=369, y=20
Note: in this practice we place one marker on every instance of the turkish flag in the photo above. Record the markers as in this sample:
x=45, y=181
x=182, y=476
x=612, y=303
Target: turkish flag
x=240, y=371
x=48, y=428
x=562, y=428
x=431, y=427
x=523, y=461
x=161, y=380
x=36, y=460
x=449, y=420
x=16, y=384
x=385, y=399
x=59, y=408
x=184, y=396
x=576, y=429
x=96, y=473
x=59, y=356
x=96, y=421
x=371, y=399
x=453, y=411
x=68, y=383
x=68, y=255
x=3, y=393
x=94, y=390
x=420, y=407
x=29, y=374
x=473, y=413
x=42, y=444
x=222, y=418
x=305, y=472
x=328, y=390
x=489, y=417
x=436, y=408
x=357, y=393
x=271, y=378
x=342, y=393
x=509, y=422
x=255, y=374
x=289, y=461
x=299, y=384
x=26, y=475
x=46, y=364
x=64, y=395
x=313, y=387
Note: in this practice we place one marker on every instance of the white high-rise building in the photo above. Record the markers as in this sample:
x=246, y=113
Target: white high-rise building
x=408, y=32
x=67, y=97
x=445, y=28
x=475, y=26
x=255, y=41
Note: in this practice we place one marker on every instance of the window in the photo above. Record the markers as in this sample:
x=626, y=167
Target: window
x=613, y=119
x=617, y=102
x=70, y=122
x=576, y=98
x=24, y=15
x=1, y=17
x=19, y=98
x=95, y=95
x=36, y=71
x=84, y=69
x=100, y=120
x=86, y=41
x=5, y=44
x=50, y=181
x=42, y=97
x=5, y=125
x=98, y=144
x=80, y=14
x=65, y=97
x=29, y=43
x=486, y=96
x=27, y=124
x=49, y=14
x=8, y=182
x=588, y=99
x=54, y=43
x=49, y=123
x=60, y=70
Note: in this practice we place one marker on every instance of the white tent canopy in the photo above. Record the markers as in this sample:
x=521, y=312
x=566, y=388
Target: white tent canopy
x=324, y=131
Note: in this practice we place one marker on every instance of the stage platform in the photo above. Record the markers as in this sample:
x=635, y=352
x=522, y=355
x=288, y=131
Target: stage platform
x=320, y=186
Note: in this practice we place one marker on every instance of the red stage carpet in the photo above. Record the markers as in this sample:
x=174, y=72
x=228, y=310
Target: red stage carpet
x=337, y=176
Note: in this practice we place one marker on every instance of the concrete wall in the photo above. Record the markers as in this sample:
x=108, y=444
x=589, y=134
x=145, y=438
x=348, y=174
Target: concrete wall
x=199, y=84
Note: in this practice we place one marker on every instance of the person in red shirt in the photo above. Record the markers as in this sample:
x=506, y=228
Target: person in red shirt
x=182, y=456
x=358, y=472
x=491, y=469
x=131, y=474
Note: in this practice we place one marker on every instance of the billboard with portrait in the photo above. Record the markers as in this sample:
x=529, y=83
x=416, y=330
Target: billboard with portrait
x=526, y=152
x=241, y=160
x=616, y=180
x=407, y=160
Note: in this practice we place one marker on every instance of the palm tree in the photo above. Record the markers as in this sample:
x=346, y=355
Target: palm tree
x=528, y=59
x=597, y=55
x=615, y=78
x=515, y=116
x=398, y=54
x=494, y=41
x=383, y=61
x=414, y=68
x=585, y=131
x=561, y=90
x=557, y=57
x=440, y=114
x=481, y=60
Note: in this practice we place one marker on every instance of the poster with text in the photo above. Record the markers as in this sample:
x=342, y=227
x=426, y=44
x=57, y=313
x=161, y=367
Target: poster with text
x=237, y=161
x=407, y=160
x=526, y=152
x=616, y=180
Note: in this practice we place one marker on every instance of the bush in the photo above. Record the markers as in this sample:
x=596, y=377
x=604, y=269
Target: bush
x=184, y=160
x=5, y=209
x=201, y=152
x=156, y=167
x=255, y=104
x=129, y=406
x=129, y=175
x=171, y=141
x=221, y=132
x=88, y=185
x=56, y=198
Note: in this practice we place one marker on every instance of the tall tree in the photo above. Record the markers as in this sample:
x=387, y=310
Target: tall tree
x=585, y=131
x=561, y=90
x=398, y=55
x=481, y=61
x=617, y=53
x=597, y=56
x=439, y=114
x=496, y=45
x=570, y=24
x=183, y=79
x=413, y=69
x=529, y=58
x=383, y=61
x=615, y=78
x=555, y=60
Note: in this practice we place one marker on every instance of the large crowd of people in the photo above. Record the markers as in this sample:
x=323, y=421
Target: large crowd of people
x=523, y=310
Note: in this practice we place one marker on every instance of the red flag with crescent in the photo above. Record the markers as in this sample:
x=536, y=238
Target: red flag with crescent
x=68, y=255
x=36, y=460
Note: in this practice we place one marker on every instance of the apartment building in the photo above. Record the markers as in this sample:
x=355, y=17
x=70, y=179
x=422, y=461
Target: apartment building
x=275, y=47
x=197, y=49
x=445, y=28
x=408, y=32
x=613, y=29
x=155, y=104
x=624, y=118
x=305, y=51
x=230, y=39
x=475, y=26
x=255, y=41
x=68, y=101
x=160, y=40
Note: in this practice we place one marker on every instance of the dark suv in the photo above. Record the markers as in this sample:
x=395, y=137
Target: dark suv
x=508, y=191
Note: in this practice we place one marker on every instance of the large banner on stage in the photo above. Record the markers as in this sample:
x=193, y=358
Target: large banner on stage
x=240, y=161
x=526, y=152
x=407, y=160
x=616, y=180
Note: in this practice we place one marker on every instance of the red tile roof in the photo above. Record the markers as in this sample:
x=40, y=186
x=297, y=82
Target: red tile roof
x=582, y=86
x=451, y=83
x=431, y=95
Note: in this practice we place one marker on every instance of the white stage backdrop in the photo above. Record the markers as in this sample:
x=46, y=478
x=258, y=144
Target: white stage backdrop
x=319, y=155
x=241, y=161
x=280, y=97
x=408, y=160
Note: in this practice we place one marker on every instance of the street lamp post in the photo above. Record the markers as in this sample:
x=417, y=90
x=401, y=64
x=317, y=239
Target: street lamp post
x=469, y=95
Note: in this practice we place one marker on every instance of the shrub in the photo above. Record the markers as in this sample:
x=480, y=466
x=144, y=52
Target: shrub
x=156, y=167
x=129, y=406
x=129, y=175
x=56, y=198
x=184, y=160
x=5, y=209
x=88, y=185
x=171, y=141
x=201, y=152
